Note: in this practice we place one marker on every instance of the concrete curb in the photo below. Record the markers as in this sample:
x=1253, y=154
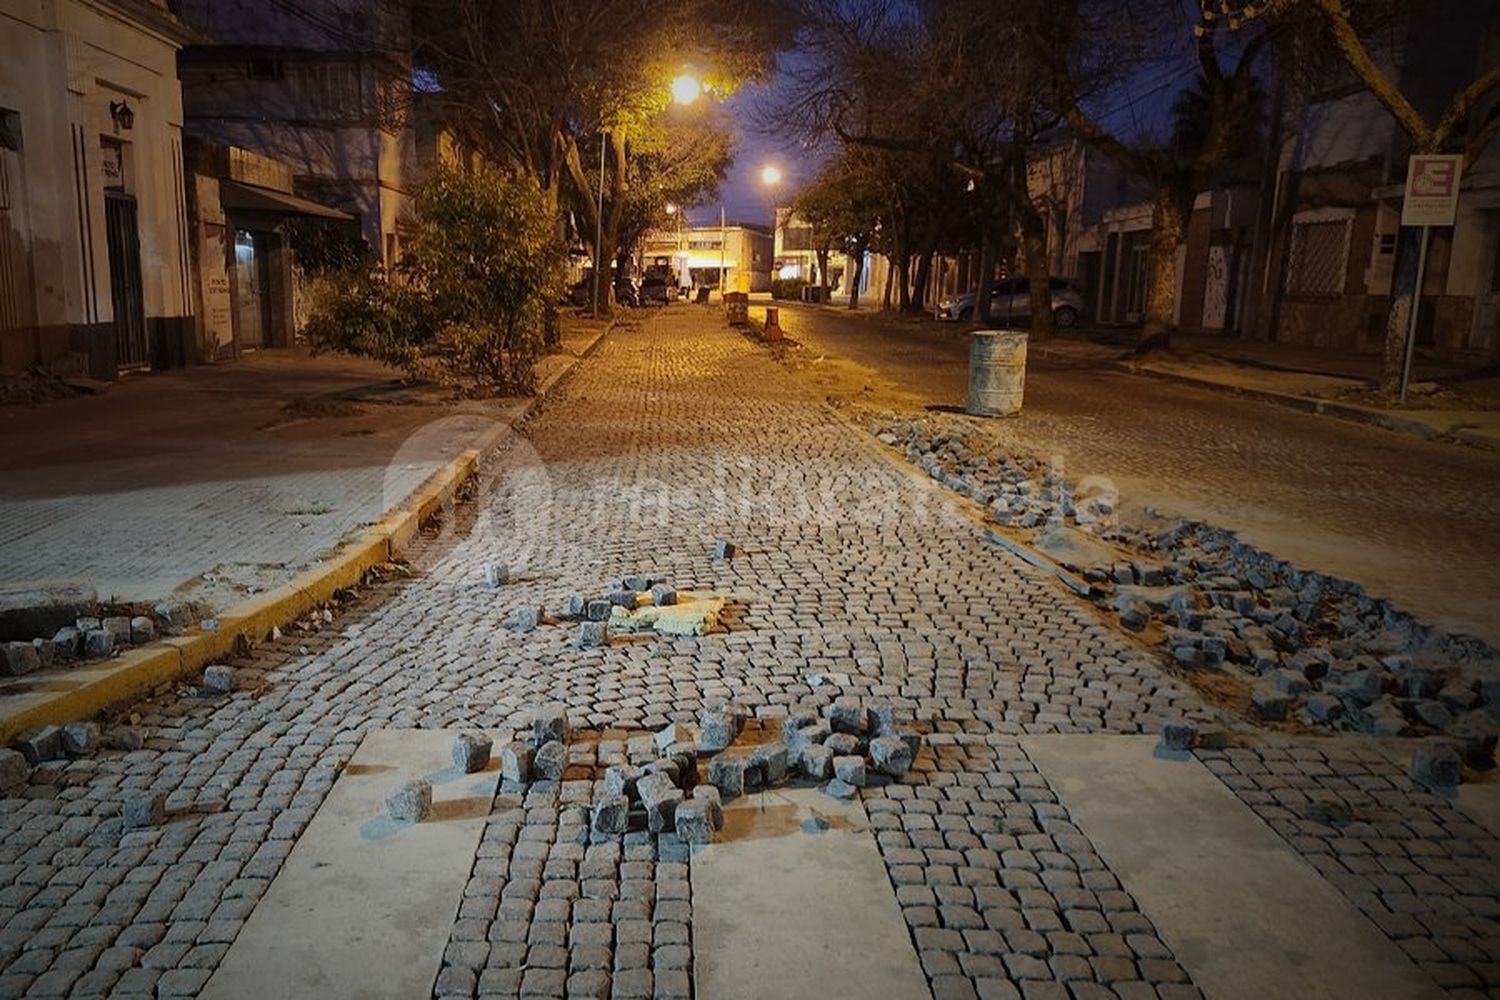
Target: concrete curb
x=1320, y=407
x=86, y=691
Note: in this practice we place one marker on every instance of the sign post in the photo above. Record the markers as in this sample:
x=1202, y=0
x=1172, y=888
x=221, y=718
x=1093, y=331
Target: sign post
x=1431, y=200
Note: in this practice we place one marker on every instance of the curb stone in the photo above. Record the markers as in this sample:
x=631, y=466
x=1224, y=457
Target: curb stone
x=87, y=690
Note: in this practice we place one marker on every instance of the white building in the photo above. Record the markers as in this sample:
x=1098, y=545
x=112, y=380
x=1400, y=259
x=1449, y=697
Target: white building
x=736, y=256
x=94, y=271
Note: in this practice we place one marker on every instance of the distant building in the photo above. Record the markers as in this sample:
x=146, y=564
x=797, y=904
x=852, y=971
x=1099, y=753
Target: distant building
x=797, y=257
x=94, y=269
x=323, y=86
x=695, y=256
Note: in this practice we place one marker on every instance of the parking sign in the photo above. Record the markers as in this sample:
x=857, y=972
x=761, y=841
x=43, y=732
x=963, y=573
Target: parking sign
x=1431, y=190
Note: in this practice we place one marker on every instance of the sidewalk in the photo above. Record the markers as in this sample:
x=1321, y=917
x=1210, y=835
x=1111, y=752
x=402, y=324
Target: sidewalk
x=1441, y=403
x=217, y=482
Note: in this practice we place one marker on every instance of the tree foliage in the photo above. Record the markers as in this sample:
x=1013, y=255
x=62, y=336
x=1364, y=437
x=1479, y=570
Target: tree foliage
x=471, y=301
x=539, y=83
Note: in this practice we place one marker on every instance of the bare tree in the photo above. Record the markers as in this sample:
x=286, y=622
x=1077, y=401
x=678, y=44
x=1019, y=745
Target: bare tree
x=1217, y=119
x=1448, y=131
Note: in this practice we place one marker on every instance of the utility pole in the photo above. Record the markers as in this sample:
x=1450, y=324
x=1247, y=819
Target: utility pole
x=599, y=222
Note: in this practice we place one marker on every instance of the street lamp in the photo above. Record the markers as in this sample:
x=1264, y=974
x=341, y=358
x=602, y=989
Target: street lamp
x=770, y=176
x=686, y=88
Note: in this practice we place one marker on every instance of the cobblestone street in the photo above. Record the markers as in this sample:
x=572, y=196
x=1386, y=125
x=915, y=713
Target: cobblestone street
x=853, y=576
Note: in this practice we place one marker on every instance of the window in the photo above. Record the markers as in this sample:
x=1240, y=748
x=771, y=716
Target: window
x=796, y=238
x=264, y=69
x=10, y=130
x=1318, y=257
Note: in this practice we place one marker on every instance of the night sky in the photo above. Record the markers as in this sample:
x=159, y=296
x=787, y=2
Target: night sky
x=1140, y=106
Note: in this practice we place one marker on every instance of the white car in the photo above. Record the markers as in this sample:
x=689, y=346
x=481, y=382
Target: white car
x=1011, y=301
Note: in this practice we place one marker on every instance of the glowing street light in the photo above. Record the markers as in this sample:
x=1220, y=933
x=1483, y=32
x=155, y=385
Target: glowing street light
x=671, y=208
x=771, y=175
x=685, y=89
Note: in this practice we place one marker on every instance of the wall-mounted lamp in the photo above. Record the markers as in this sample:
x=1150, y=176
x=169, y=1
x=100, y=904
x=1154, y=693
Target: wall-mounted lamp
x=123, y=116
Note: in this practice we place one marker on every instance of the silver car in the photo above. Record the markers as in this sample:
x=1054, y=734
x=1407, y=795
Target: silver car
x=1011, y=301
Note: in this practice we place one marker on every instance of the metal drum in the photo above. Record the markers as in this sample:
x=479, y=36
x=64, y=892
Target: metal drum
x=737, y=308
x=997, y=372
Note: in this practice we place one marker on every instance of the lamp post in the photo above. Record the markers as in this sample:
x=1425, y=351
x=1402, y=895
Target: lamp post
x=685, y=90
x=770, y=176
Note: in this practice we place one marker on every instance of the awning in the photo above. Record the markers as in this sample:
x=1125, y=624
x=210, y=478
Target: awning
x=248, y=197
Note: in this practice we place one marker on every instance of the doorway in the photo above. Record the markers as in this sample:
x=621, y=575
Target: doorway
x=126, y=295
x=250, y=290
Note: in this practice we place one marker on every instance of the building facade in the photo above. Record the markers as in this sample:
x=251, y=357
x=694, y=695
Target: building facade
x=241, y=211
x=1340, y=186
x=94, y=267
x=734, y=257
x=321, y=85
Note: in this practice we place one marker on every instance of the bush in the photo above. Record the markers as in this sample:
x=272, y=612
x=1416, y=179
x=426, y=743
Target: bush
x=471, y=303
x=787, y=288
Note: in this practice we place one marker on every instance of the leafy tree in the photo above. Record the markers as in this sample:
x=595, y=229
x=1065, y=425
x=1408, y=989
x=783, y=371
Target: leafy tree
x=947, y=92
x=1088, y=47
x=845, y=207
x=471, y=301
x=680, y=163
x=540, y=83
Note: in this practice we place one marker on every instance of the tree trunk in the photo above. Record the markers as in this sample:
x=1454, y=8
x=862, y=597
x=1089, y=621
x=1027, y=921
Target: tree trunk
x=984, y=293
x=604, y=286
x=1405, y=296
x=823, y=267
x=902, y=261
x=1038, y=275
x=858, y=269
x=890, y=281
x=1168, y=228
x=918, y=300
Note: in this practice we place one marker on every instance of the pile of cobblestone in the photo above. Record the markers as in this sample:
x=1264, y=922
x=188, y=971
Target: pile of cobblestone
x=92, y=637
x=1019, y=490
x=676, y=779
x=592, y=613
x=1314, y=648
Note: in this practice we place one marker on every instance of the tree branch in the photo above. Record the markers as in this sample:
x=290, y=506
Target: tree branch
x=1458, y=108
x=1384, y=90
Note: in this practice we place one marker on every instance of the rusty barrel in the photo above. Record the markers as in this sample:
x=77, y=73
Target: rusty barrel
x=737, y=308
x=773, y=323
x=997, y=372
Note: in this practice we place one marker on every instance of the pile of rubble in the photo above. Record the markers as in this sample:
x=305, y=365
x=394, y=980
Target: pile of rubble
x=91, y=637
x=1314, y=648
x=678, y=779
x=631, y=604
x=1019, y=491
x=660, y=778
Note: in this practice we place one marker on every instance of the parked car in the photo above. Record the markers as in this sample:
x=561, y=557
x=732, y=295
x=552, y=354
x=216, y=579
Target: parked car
x=655, y=288
x=627, y=291
x=1010, y=301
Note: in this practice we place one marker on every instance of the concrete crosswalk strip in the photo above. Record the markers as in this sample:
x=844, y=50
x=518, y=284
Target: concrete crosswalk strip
x=781, y=912
x=1246, y=916
x=363, y=905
